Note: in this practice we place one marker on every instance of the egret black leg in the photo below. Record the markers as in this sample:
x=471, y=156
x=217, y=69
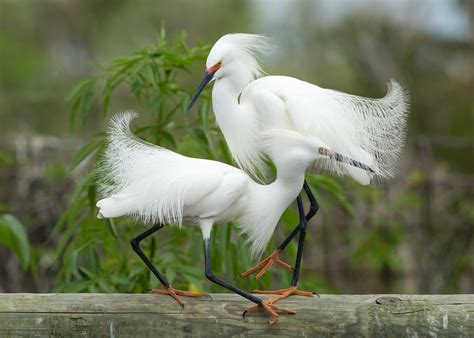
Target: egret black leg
x=169, y=290
x=213, y=278
x=265, y=264
x=299, y=254
x=267, y=306
x=313, y=209
x=136, y=247
x=301, y=229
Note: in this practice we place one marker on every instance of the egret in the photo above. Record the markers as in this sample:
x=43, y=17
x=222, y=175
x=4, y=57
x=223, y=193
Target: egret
x=246, y=104
x=155, y=185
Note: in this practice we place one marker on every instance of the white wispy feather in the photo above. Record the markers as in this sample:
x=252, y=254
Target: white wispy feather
x=127, y=175
x=259, y=220
x=243, y=146
x=371, y=131
x=248, y=49
x=156, y=185
x=377, y=127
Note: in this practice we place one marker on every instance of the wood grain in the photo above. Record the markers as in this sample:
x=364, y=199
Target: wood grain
x=142, y=315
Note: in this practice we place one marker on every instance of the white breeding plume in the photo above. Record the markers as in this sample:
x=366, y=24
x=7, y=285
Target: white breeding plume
x=370, y=131
x=150, y=183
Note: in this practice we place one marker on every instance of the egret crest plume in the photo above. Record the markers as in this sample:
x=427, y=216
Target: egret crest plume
x=246, y=48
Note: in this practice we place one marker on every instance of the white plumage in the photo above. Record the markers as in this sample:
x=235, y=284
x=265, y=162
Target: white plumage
x=371, y=131
x=153, y=184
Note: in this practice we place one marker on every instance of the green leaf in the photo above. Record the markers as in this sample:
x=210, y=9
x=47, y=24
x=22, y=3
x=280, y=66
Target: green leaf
x=13, y=235
x=151, y=74
x=88, y=98
x=91, y=194
x=203, y=113
x=77, y=89
x=86, y=272
x=333, y=188
x=167, y=137
x=111, y=224
x=81, y=98
x=200, y=136
x=85, y=152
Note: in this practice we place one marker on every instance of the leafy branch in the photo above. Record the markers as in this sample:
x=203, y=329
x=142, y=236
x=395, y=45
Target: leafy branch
x=95, y=254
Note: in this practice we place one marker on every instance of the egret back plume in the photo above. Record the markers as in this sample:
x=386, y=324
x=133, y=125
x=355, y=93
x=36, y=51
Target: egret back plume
x=369, y=131
x=378, y=125
x=132, y=170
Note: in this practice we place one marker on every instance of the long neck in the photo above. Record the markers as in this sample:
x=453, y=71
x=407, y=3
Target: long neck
x=264, y=207
x=226, y=91
x=238, y=124
x=285, y=188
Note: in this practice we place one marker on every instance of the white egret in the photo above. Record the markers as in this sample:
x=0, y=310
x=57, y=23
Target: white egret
x=246, y=103
x=155, y=185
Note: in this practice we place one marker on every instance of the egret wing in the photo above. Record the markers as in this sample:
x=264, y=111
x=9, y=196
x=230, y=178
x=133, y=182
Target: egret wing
x=370, y=131
x=152, y=183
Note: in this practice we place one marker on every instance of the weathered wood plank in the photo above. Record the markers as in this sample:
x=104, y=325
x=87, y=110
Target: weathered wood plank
x=126, y=315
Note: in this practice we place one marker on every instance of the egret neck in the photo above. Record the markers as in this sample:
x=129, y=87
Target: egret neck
x=266, y=203
x=240, y=126
x=229, y=86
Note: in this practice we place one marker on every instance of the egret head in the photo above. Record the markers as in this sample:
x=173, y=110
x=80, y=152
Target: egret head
x=291, y=150
x=234, y=54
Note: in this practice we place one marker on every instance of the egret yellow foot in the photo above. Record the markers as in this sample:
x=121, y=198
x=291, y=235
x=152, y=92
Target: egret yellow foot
x=175, y=293
x=284, y=293
x=264, y=265
x=268, y=306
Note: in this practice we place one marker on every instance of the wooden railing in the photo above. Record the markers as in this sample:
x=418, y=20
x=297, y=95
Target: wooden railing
x=142, y=315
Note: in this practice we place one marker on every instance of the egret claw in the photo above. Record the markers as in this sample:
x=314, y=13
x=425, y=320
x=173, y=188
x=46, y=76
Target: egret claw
x=265, y=264
x=268, y=306
x=175, y=293
x=284, y=293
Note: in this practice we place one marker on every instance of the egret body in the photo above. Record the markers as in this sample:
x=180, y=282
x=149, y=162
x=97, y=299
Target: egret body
x=365, y=135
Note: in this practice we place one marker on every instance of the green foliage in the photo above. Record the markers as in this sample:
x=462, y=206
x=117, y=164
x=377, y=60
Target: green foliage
x=6, y=159
x=377, y=246
x=13, y=235
x=95, y=254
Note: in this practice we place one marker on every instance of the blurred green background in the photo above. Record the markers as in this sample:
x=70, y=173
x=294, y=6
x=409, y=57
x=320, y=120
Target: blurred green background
x=414, y=234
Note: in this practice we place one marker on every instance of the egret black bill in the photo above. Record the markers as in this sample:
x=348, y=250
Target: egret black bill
x=344, y=159
x=208, y=75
